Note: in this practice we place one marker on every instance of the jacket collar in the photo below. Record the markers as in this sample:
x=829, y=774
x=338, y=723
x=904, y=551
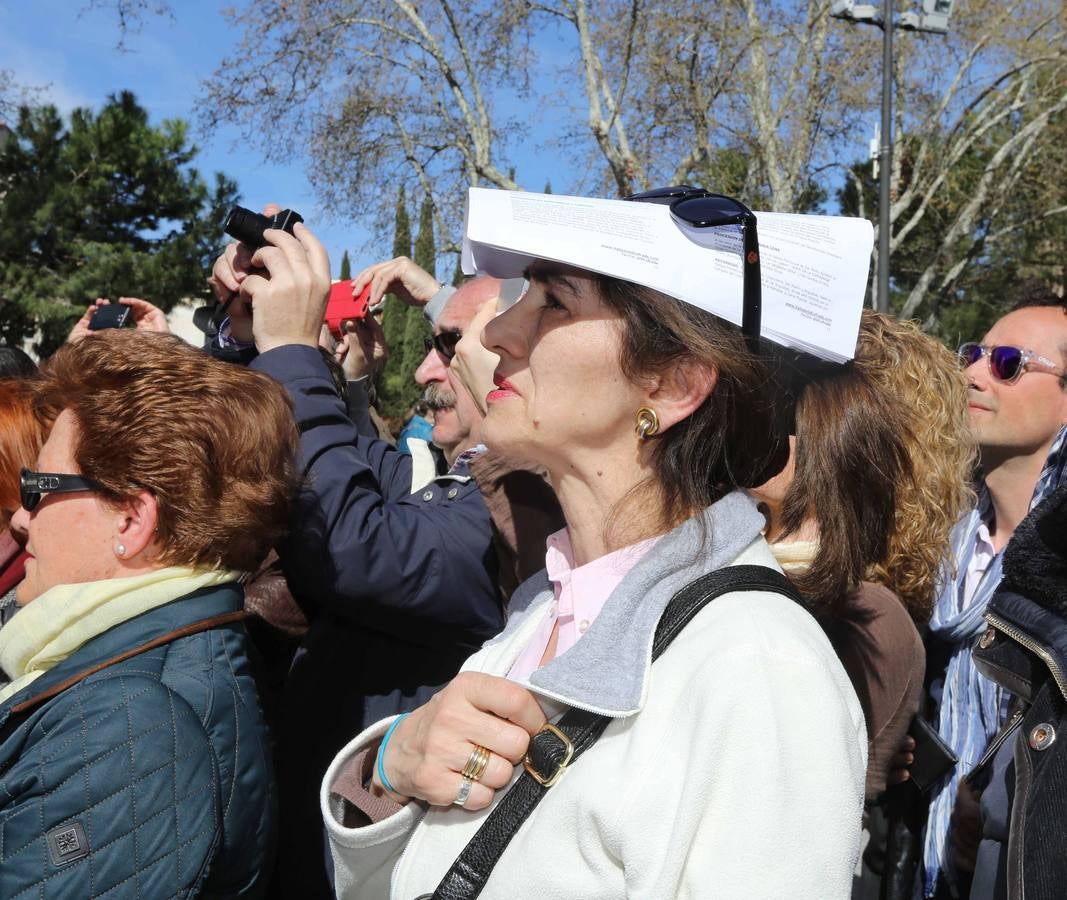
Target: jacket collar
x=1035, y=628
x=588, y=675
x=202, y=604
x=1031, y=601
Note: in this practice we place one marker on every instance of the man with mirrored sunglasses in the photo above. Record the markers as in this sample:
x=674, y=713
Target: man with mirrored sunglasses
x=1018, y=410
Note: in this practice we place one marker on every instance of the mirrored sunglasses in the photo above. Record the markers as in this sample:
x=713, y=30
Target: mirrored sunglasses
x=1006, y=363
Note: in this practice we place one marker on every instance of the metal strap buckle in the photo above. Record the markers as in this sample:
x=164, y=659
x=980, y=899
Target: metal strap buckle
x=568, y=748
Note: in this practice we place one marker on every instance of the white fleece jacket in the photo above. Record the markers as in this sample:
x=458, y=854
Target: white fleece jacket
x=734, y=767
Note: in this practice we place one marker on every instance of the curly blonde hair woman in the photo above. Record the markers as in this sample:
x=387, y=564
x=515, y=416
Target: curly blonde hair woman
x=861, y=515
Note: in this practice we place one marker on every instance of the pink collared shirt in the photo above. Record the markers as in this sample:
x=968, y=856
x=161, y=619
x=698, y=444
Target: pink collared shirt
x=580, y=595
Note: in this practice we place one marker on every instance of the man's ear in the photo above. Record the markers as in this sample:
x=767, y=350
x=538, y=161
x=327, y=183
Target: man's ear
x=136, y=525
x=680, y=391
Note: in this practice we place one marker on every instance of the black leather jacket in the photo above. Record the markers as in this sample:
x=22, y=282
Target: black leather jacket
x=1025, y=650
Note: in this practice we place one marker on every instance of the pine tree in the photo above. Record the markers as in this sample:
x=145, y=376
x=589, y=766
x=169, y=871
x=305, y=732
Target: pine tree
x=457, y=275
x=394, y=384
x=102, y=205
x=346, y=267
x=548, y=186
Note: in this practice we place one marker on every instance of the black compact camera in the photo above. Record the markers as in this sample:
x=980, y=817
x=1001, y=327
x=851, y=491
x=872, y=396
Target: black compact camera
x=248, y=226
x=114, y=315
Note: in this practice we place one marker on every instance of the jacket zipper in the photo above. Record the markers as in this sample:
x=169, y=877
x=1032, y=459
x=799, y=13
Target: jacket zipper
x=1034, y=647
x=997, y=742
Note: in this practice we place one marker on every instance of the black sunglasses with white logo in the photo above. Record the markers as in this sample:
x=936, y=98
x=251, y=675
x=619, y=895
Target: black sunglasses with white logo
x=34, y=485
x=703, y=209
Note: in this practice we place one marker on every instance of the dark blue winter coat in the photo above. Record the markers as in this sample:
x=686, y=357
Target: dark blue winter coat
x=399, y=589
x=150, y=778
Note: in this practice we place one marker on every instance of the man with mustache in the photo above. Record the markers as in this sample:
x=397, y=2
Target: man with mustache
x=394, y=568
x=1018, y=410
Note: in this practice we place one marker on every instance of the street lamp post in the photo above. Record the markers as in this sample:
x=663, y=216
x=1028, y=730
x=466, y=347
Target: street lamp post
x=885, y=159
x=933, y=19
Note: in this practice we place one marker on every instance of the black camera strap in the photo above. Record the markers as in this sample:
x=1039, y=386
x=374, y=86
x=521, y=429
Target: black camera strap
x=549, y=755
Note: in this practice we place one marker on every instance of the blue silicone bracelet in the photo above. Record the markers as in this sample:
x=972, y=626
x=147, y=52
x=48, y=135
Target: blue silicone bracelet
x=381, y=753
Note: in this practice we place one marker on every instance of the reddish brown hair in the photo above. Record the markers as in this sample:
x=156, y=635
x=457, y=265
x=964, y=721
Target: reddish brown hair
x=21, y=437
x=214, y=443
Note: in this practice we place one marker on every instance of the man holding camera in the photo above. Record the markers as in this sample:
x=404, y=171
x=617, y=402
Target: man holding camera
x=395, y=583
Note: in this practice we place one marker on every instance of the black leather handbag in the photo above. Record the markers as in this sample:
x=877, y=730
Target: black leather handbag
x=553, y=749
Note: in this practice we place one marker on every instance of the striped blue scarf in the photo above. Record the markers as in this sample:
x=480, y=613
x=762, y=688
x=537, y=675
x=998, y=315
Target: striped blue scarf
x=972, y=707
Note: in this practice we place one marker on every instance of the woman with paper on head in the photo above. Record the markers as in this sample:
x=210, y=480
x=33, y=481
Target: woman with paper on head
x=649, y=714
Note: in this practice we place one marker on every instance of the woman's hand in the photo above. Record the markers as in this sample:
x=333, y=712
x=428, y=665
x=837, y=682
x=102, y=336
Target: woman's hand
x=428, y=750
x=81, y=327
x=473, y=364
x=146, y=317
x=901, y=760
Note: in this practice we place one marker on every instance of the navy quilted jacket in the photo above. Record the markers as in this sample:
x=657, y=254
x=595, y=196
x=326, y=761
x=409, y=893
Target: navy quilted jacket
x=151, y=778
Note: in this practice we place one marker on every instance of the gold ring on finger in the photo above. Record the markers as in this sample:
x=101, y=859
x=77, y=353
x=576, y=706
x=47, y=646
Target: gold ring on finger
x=476, y=763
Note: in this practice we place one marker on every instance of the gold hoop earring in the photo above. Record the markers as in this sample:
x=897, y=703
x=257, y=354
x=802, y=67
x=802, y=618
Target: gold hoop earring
x=647, y=423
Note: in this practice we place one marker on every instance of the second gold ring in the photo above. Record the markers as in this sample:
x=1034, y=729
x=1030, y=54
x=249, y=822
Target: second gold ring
x=476, y=763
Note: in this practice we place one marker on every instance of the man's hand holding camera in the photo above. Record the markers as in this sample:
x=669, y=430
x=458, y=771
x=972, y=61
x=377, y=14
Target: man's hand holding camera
x=401, y=277
x=277, y=292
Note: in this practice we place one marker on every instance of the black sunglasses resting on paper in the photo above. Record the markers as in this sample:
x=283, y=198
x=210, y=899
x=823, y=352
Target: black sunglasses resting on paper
x=34, y=485
x=703, y=209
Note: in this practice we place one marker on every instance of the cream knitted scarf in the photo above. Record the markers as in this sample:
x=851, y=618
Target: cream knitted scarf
x=56, y=624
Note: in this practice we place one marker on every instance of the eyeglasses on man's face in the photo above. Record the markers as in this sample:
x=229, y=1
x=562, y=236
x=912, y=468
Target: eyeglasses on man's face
x=34, y=485
x=444, y=343
x=1006, y=363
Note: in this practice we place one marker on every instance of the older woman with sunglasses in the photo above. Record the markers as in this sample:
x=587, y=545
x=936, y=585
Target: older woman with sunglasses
x=133, y=756
x=733, y=764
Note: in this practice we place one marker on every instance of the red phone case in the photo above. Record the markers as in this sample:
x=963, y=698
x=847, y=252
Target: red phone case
x=342, y=306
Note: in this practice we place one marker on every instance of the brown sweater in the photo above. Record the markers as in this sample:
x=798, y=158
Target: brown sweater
x=882, y=653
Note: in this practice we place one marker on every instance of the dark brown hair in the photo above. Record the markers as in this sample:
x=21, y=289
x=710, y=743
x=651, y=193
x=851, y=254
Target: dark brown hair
x=1036, y=294
x=21, y=437
x=213, y=442
x=731, y=441
x=882, y=459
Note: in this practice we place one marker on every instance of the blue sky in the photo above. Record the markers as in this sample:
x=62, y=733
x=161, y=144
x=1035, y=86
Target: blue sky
x=49, y=44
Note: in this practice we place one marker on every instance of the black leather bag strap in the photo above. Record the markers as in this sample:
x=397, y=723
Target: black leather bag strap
x=555, y=748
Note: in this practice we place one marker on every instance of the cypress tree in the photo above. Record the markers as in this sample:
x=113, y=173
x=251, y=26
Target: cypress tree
x=417, y=329
x=425, y=246
x=393, y=381
x=346, y=267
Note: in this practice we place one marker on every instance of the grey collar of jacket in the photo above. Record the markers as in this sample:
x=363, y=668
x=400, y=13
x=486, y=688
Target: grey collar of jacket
x=595, y=673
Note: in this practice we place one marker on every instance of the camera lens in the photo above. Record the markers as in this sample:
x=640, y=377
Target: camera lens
x=246, y=226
